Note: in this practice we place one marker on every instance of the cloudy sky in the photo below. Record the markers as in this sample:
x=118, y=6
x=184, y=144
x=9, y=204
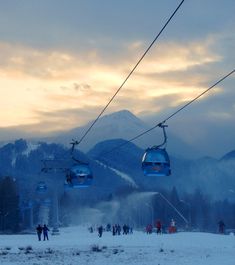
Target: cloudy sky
x=61, y=61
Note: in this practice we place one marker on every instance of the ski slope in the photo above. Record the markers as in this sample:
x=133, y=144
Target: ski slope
x=75, y=245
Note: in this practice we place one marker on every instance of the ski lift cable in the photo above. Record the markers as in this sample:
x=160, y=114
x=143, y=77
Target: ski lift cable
x=190, y=102
x=128, y=76
x=160, y=124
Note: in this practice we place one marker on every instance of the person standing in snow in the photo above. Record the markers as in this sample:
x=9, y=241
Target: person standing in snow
x=149, y=229
x=221, y=227
x=172, y=228
x=114, y=230
x=108, y=227
x=119, y=229
x=159, y=227
x=131, y=230
x=39, y=232
x=100, y=231
x=124, y=229
x=45, y=230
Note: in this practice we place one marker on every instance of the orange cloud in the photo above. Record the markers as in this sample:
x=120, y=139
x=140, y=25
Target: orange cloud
x=52, y=80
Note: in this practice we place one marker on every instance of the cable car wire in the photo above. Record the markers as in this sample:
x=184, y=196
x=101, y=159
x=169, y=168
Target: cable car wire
x=128, y=76
x=169, y=117
x=190, y=102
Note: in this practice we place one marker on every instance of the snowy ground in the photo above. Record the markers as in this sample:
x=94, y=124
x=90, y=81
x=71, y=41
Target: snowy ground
x=77, y=246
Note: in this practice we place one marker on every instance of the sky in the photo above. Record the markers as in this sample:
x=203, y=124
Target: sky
x=61, y=61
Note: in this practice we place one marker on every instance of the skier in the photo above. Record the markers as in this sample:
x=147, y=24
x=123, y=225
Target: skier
x=131, y=230
x=114, y=230
x=221, y=227
x=108, y=227
x=119, y=229
x=149, y=229
x=159, y=227
x=39, y=232
x=124, y=229
x=45, y=230
x=172, y=228
x=128, y=229
x=100, y=231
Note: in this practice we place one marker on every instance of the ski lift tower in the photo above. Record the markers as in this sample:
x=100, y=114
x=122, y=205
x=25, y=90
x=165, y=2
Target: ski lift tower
x=55, y=167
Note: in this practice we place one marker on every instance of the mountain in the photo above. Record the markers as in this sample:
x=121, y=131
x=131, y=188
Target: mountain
x=229, y=156
x=125, y=125
x=121, y=124
x=113, y=169
x=22, y=160
x=183, y=140
x=214, y=177
x=125, y=159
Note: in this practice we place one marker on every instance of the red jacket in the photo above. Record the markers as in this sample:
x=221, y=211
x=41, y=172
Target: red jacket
x=158, y=224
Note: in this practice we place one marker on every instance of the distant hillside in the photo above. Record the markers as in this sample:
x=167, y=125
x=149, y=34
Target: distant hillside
x=210, y=175
x=23, y=161
x=229, y=156
x=121, y=124
x=126, y=159
x=124, y=125
x=113, y=170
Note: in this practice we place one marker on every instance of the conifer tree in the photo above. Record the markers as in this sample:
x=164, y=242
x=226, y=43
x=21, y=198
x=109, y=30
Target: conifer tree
x=9, y=205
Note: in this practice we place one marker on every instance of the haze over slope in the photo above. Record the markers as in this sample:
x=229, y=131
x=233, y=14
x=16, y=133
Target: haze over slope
x=184, y=139
x=125, y=125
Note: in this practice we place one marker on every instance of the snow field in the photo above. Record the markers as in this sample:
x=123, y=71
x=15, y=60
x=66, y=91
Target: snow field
x=75, y=245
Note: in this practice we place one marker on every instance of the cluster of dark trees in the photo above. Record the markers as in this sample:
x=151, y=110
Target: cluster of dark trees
x=9, y=206
x=201, y=212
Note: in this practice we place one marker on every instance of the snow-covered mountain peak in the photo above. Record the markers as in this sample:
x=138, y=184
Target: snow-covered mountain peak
x=122, y=114
x=122, y=117
x=122, y=124
x=30, y=147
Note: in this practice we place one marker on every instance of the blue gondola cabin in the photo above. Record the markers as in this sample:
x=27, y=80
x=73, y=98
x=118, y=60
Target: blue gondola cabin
x=156, y=162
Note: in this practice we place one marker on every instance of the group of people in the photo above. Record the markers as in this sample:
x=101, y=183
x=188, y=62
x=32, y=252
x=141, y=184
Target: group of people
x=159, y=227
x=125, y=230
x=115, y=229
x=42, y=230
x=173, y=228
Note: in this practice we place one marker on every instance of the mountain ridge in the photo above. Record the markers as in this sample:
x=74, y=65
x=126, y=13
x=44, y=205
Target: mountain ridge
x=116, y=169
x=125, y=125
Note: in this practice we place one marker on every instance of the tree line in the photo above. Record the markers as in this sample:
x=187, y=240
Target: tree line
x=9, y=206
x=136, y=207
